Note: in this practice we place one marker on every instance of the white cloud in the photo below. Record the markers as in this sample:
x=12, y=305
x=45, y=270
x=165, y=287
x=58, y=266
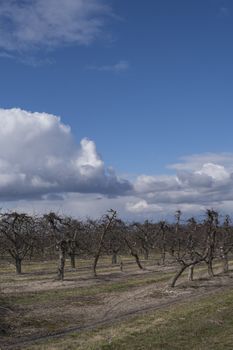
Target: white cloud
x=38, y=157
x=196, y=161
x=142, y=207
x=31, y=24
x=201, y=181
x=42, y=168
x=148, y=184
x=215, y=171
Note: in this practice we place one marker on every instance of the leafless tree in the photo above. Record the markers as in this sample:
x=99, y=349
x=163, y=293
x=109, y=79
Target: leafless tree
x=131, y=243
x=188, y=249
x=56, y=225
x=211, y=226
x=106, y=224
x=18, y=231
x=225, y=244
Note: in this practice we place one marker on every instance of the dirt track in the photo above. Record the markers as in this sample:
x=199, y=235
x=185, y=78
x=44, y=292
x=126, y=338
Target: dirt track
x=117, y=306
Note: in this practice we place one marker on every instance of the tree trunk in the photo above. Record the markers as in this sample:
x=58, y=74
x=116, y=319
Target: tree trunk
x=210, y=268
x=95, y=264
x=190, y=274
x=177, y=275
x=72, y=260
x=31, y=254
x=18, y=265
x=163, y=256
x=146, y=254
x=105, y=230
x=135, y=255
x=225, y=264
x=62, y=260
x=114, y=258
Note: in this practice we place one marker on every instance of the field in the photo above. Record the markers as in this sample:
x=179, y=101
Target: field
x=133, y=309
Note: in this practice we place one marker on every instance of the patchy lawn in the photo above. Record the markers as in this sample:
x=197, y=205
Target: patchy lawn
x=37, y=306
x=203, y=324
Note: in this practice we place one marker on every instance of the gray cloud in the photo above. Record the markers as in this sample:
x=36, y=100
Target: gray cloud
x=40, y=162
x=38, y=157
x=198, y=183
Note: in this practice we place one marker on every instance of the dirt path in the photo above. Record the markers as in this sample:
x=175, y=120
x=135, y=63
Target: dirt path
x=121, y=306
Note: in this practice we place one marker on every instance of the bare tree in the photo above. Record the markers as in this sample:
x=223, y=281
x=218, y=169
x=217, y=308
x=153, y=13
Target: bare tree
x=211, y=225
x=145, y=235
x=131, y=243
x=104, y=227
x=163, y=229
x=56, y=223
x=225, y=243
x=188, y=249
x=18, y=230
x=113, y=243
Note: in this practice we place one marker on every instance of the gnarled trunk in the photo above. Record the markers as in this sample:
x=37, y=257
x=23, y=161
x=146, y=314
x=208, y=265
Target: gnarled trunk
x=105, y=230
x=135, y=255
x=177, y=275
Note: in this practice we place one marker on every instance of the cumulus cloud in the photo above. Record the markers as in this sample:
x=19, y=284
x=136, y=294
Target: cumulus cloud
x=214, y=171
x=196, y=161
x=198, y=183
x=39, y=157
x=40, y=160
x=31, y=24
x=142, y=207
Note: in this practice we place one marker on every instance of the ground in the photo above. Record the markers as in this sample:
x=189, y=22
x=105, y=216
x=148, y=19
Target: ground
x=133, y=309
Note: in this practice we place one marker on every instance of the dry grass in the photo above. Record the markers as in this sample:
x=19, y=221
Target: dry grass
x=36, y=304
x=204, y=324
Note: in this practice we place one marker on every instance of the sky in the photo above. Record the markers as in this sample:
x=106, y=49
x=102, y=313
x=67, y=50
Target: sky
x=116, y=104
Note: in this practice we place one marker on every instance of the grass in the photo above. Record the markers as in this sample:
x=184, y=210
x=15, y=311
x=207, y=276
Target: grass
x=66, y=294
x=32, y=298
x=206, y=324
x=65, y=303
x=49, y=309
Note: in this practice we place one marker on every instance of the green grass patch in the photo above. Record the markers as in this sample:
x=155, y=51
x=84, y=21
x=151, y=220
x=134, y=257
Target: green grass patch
x=200, y=325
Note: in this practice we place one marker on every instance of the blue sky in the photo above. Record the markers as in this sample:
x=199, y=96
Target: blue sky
x=149, y=82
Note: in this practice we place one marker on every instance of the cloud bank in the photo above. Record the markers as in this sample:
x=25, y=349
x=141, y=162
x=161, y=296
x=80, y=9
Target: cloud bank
x=201, y=181
x=29, y=24
x=39, y=158
x=42, y=166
